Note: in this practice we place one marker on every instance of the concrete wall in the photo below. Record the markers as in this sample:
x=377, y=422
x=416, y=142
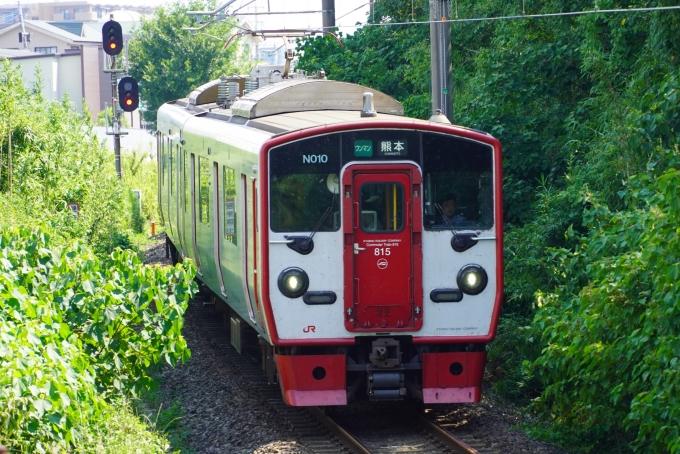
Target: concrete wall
x=60, y=73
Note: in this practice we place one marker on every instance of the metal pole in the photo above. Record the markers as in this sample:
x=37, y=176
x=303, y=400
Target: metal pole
x=440, y=56
x=328, y=15
x=23, y=28
x=116, y=119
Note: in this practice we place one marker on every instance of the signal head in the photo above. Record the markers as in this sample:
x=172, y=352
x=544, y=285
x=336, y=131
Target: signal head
x=128, y=94
x=112, y=37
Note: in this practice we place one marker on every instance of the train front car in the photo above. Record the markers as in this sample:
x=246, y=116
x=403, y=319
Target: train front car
x=381, y=249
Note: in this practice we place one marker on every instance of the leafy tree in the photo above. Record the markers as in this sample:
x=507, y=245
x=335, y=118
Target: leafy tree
x=610, y=327
x=168, y=62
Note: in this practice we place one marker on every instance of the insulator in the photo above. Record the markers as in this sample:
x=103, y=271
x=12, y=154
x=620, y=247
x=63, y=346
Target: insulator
x=232, y=90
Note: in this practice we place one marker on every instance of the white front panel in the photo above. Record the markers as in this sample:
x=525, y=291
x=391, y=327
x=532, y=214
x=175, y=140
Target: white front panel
x=472, y=315
x=295, y=319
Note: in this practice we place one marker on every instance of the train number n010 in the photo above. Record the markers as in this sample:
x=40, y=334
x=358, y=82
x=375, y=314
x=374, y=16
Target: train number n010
x=314, y=158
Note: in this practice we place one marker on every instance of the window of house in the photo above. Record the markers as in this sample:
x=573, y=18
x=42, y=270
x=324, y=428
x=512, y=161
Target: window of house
x=64, y=13
x=46, y=50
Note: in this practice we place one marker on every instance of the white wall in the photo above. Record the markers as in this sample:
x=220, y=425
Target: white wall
x=60, y=74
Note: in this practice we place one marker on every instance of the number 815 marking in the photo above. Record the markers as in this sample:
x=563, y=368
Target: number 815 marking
x=381, y=251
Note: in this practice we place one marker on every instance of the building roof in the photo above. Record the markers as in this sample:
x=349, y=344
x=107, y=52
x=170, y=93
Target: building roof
x=69, y=26
x=51, y=30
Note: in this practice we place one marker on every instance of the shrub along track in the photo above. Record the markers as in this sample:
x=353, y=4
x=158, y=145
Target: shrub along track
x=229, y=407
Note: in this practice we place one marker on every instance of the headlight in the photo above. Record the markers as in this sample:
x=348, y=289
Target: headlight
x=293, y=282
x=472, y=279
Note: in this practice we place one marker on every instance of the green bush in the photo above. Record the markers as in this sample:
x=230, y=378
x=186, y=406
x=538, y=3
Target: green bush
x=76, y=330
x=56, y=160
x=610, y=329
x=140, y=173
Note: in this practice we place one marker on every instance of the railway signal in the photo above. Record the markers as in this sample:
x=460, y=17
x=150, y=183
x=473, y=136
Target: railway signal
x=128, y=94
x=112, y=37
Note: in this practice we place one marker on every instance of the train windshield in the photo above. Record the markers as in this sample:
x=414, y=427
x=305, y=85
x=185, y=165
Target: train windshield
x=304, y=182
x=458, y=183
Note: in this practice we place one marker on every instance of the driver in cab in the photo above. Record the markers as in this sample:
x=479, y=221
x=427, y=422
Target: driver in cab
x=449, y=206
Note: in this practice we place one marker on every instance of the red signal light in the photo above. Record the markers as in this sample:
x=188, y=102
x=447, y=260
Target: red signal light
x=128, y=94
x=112, y=38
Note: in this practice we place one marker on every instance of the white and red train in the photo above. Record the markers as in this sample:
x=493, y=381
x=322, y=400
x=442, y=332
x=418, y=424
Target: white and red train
x=320, y=217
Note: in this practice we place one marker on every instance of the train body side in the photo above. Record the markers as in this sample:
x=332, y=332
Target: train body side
x=198, y=159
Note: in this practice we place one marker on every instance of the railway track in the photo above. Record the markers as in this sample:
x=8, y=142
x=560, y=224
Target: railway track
x=367, y=429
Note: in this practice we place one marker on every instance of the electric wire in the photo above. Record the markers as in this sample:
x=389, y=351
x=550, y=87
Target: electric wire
x=524, y=16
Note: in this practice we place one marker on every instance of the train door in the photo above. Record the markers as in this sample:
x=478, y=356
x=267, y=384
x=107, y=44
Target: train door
x=248, y=223
x=219, y=226
x=383, y=253
x=192, y=183
x=170, y=188
x=181, y=235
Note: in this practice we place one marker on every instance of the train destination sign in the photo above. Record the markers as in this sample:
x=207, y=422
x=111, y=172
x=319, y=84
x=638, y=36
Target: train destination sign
x=364, y=148
x=393, y=148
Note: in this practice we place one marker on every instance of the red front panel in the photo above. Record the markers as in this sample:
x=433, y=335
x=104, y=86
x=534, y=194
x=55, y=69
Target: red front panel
x=382, y=249
x=441, y=370
x=308, y=380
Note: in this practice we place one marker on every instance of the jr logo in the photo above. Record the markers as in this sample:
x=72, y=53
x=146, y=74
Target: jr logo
x=314, y=158
x=309, y=328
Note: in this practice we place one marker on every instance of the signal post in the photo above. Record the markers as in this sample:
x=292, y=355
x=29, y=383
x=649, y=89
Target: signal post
x=128, y=89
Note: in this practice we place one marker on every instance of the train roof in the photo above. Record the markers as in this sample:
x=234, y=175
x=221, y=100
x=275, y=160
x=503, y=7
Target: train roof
x=284, y=123
x=294, y=105
x=297, y=95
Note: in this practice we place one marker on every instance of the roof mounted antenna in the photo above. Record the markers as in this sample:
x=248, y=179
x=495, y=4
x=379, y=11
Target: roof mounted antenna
x=368, y=109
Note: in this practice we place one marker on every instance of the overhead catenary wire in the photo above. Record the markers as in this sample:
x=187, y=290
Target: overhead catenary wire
x=523, y=16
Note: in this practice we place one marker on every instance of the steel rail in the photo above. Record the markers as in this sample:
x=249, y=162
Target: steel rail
x=446, y=438
x=338, y=431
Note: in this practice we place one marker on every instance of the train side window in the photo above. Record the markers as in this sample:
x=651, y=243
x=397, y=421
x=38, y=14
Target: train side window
x=457, y=171
x=229, y=188
x=204, y=190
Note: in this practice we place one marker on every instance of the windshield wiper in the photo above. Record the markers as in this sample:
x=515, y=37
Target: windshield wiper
x=460, y=241
x=304, y=244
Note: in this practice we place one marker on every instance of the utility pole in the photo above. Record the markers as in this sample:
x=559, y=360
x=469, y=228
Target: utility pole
x=24, y=36
x=440, y=56
x=328, y=15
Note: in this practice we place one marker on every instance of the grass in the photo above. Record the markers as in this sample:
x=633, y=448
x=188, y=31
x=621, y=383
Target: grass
x=165, y=415
x=120, y=430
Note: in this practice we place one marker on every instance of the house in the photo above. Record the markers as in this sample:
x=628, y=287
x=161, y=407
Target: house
x=70, y=64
